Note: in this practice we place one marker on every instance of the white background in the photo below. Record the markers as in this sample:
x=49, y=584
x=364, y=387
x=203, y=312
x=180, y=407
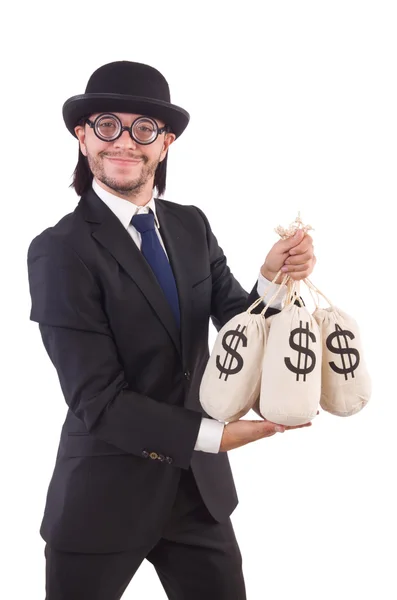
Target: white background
x=293, y=107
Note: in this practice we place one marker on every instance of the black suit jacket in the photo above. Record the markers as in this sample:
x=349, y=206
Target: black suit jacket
x=130, y=378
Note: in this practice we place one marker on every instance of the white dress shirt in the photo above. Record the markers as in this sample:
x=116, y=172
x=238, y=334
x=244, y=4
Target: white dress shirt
x=210, y=432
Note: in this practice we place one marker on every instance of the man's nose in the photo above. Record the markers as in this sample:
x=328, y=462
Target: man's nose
x=125, y=141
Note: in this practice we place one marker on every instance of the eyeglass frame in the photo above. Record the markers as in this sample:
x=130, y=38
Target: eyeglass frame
x=159, y=130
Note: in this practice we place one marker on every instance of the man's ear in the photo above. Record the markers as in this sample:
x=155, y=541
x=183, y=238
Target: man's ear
x=170, y=139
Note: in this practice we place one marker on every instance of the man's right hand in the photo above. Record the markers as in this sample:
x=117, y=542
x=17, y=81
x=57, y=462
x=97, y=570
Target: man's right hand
x=240, y=433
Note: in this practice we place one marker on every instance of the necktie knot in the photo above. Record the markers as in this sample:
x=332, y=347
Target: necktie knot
x=143, y=223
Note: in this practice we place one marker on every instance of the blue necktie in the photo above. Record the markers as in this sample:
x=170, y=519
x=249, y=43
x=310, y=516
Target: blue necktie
x=154, y=253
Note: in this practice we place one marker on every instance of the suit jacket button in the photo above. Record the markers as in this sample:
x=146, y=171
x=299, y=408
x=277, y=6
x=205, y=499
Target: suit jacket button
x=168, y=459
x=187, y=375
x=153, y=455
x=145, y=454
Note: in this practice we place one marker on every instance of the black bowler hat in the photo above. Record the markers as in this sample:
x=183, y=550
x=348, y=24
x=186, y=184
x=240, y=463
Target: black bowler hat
x=127, y=87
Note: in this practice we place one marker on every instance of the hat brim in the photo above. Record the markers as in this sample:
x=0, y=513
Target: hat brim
x=77, y=107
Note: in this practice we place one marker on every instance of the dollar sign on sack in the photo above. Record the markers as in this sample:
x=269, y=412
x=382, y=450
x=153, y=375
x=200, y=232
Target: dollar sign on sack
x=338, y=334
x=302, y=349
x=231, y=353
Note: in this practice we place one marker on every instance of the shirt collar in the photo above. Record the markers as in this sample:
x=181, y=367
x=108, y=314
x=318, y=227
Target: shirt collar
x=123, y=209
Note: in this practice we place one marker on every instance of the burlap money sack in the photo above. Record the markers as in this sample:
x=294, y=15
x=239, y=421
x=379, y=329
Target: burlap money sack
x=231, y=381
x=291, y=369
x=346, y=384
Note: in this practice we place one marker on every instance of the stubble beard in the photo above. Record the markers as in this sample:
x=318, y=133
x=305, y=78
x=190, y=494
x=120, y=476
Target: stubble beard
x=129, y=188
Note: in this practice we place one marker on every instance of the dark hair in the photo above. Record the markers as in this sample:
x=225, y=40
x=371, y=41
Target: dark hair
x=82, y=175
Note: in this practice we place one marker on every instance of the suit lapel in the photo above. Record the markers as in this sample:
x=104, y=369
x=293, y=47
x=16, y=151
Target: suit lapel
x=109, y=232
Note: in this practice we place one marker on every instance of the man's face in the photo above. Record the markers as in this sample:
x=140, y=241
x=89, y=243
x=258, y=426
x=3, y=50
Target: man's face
x=124, y=166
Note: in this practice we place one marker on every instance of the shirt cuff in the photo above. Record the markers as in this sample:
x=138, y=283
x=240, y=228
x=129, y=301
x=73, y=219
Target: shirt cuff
x=209, y=436
x=267, y=287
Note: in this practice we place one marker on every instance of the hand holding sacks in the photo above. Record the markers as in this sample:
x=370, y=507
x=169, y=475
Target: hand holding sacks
x=288, y=365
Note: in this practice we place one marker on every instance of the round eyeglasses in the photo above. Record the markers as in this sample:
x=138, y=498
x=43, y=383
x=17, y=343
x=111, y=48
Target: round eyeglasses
x=144, y=130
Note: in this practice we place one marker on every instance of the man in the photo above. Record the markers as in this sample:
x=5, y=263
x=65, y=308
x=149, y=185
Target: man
x=123, y=289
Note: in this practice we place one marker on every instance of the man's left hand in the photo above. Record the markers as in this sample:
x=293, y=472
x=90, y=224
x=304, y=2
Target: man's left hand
x=301, y=260
x=297, y=261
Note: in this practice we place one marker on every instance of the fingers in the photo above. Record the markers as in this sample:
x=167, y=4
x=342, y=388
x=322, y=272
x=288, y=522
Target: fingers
x=264, y=428
x=300, y=259
x=281, y=428
x=270, y=428
x=303, y=246
x=299, y=272
x=292, y=242
x=299, y=268
x=298, y=426
x=242, y=432
x=294, y=251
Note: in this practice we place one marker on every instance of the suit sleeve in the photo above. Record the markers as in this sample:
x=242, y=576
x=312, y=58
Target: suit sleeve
x=66, y=302
x=228, y=296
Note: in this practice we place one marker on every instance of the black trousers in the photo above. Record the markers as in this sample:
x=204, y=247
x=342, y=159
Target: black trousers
x=196, y=558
